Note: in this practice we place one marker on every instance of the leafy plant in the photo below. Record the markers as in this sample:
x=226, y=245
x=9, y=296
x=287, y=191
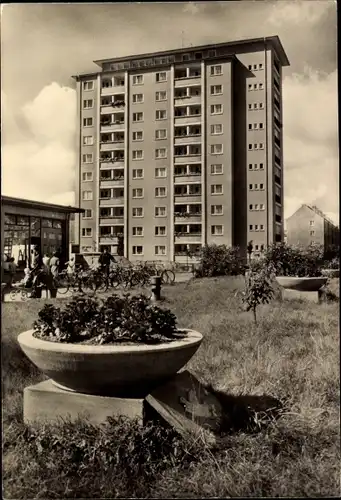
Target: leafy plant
x=294, y=261
x=258, y=288
x=219, y=260
x=116, y=319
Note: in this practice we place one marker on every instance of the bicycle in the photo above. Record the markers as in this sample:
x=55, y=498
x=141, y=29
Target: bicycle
x=62, y=282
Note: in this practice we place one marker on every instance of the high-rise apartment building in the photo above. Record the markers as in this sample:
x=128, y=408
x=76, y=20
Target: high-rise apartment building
x=182, y=148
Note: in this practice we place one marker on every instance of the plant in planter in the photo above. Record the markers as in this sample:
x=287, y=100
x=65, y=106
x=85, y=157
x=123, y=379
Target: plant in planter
x=331, y=268
x=118, y=344
x=296, y=268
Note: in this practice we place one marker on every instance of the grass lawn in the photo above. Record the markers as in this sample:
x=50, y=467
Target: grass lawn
x=293, y=355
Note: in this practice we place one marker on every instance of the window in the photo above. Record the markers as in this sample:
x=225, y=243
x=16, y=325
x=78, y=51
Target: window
x=261, y=166
x=137, y=173
x=260, y=66
x=160, y=192
x=261, y=105
x=88, y=140
x=138, y=135
x=161, y=114
x=251, y=227
x=88, y=103
x=138, y=193
x=161, y=96
x=256, y=206
x=216, y=129
x=250, y=186
x=216, y=149
x=137, y=154
x=251, y=207
x=161, y=153
x=87, y=195
x=262, y=227
x=138, y=250
x=216, y=109
x=88, y=158
x=137, y=98
x=216, y=89
x=137, y=79
x=216, y=169
x=312, y=223
x=160, y=212
x=137, y=212
x=160, y=250
x=217, y=189
x=105, y=193
x=261, y=145
x=87, y=214
x=261, y=206
x=161, y=134
x=87, y=232
x=217, y=230
x=138, y=231
x=216, y=209
x=261, y=126
x=87, y=122
x=250, y=166
x=138, y=117
x=260, y=86
x=88, y=85
x=312, y=233
x=216, y=70
x=261, y=186
x=87, y=176
x=161, y=77
x=160, y=172
x=160, y=230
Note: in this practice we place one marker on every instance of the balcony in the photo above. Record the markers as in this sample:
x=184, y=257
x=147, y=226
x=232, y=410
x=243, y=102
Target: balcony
x=187, y=198
x=111, y=145
x=110, y=238
x=187, y=139
x=111, y=220
x=111, y=202
x=187, y=76
x=181, y=159
x=187, y=100
x=181, y=218
x=180, y=179
x=112, y=85
x=112, y=126
x=188, y=238
x=112, y=183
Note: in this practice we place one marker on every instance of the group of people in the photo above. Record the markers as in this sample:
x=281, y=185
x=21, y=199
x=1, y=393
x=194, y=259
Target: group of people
x=44, y=269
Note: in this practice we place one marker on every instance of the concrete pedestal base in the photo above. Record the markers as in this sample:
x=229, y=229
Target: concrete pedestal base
x=296, y=295
x=44, y=402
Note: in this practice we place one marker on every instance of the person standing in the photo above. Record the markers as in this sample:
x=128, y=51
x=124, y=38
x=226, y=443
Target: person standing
x=54, y=265
x=12, y=268
x=104, y=261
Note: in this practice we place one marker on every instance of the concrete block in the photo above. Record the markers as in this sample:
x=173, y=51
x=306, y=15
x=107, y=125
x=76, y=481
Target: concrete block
x=297, y=295
x=45, y=403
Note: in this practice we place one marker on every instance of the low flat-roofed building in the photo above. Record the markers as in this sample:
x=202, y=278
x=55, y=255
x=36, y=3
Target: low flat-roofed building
x=27, y=223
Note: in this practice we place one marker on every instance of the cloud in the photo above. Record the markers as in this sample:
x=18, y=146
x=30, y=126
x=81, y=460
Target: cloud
x=310, y=141
x=296, y=12
x=40, y=162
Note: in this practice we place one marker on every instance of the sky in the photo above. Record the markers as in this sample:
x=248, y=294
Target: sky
x=43, y=45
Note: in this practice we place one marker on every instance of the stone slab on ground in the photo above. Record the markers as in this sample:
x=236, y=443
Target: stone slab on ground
x=186, y=405
x=297, y=295
x=45, y=402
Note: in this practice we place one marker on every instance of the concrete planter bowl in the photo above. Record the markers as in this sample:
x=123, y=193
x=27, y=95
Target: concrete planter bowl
x=301, y=284
x=113, y=370
x=331, y=273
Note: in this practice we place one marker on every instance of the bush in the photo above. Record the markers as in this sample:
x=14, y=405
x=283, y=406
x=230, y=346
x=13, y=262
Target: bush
x=294, y=261
x=116, y=319
x=258, y=287
x=219, y=260
x=333, y=264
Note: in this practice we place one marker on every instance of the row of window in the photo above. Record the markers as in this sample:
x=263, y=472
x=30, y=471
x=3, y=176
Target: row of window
x=159, y=77
x=257, y=206
x=162, y=95
x=256, y=166
x=256, y=126
x=255, y=67
x=256, y=227
x=215, y=210
x=255, y=86
x=215, y=109
x=256, y=147
x=138, y=173
x=256, y=187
